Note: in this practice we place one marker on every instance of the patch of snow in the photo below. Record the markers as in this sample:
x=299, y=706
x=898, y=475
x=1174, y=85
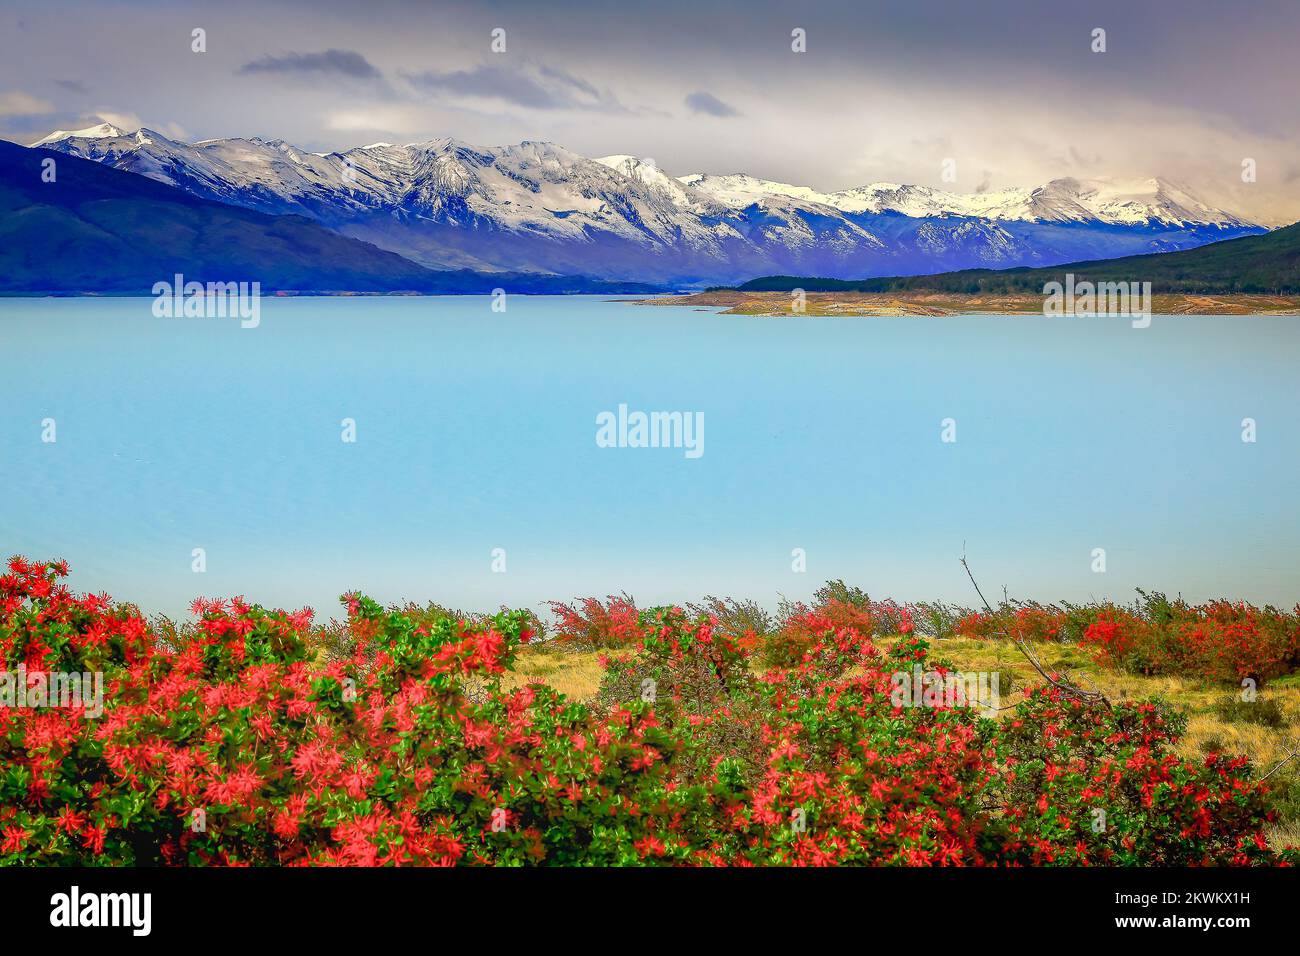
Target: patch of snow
x=102, y=131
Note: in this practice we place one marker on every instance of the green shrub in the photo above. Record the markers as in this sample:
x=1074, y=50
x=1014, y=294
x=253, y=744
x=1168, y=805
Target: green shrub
x=1262, y=711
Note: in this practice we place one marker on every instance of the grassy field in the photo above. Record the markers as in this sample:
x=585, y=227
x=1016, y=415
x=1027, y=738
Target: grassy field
x=577, y=674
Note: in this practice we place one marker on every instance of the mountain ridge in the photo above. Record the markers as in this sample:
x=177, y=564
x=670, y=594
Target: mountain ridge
x=95, y=229
x=537, y=206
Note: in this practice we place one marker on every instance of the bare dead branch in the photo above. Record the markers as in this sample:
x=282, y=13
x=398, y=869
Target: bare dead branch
x=1283, y=762
x=1067, y=687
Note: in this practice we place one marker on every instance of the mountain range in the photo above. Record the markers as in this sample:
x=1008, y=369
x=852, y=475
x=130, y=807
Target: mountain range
x=96, y=229
x=539, y=208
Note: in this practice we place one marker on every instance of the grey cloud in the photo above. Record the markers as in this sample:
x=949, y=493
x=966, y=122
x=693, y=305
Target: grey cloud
x=488, y=81
x=74, y=86
x=707, y=103
x=569, y=80
x=348, y=63
x=541, y=88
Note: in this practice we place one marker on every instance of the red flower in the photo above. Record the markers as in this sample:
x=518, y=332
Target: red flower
x=15, y=837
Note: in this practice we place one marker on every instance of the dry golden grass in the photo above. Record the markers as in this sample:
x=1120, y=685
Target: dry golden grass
x=577, y=674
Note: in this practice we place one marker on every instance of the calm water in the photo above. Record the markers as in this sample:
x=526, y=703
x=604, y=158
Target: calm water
x=476, y=430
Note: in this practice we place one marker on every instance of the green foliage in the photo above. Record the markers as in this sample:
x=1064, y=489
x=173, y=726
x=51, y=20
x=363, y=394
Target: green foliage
x=1262, y=711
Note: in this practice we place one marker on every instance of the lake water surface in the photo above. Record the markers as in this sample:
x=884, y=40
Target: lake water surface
x=476, y=430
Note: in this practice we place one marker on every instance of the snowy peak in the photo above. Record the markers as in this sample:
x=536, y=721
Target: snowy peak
x=643, y=170
x=102, y=131
x=740, y=190
x=1128, y=202
x=925, y=201
x=667, y=191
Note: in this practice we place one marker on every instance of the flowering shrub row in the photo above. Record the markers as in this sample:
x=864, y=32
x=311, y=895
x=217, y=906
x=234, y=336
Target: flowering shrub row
x=1218, y=641
x=245, y=740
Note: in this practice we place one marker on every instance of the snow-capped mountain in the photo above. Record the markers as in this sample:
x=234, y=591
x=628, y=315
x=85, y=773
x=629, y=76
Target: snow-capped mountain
x=539, y=207
x=102, y=131
x=1144, y=202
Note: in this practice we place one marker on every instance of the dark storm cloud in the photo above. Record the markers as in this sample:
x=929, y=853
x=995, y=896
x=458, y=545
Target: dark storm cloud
x=347, y=63
x=710, y=105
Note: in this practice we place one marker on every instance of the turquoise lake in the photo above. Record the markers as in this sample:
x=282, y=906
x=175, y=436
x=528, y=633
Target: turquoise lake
x=476, y=430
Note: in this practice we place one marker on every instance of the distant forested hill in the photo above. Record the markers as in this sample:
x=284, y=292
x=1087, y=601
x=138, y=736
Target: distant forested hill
x=1264, y=264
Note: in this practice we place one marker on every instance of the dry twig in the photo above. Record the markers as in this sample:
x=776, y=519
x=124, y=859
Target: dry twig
x=1282, y=763
x=1067, y=687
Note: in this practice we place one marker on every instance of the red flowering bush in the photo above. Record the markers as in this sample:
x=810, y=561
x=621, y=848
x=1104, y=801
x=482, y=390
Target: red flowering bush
x=1220, y=641
x=844, y=775
x=787, y=645
x=243, y=739
x=593, y=623
x=977, y=626
x=840, y=606
x=1217, y=641
x=810, y=765
x=1114, y=637
x=745, y=622
x=237, y=748
x=1020, y=621
x=1092, y=785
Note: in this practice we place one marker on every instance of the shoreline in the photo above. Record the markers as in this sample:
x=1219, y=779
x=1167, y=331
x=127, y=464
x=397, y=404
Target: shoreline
x=880, y=304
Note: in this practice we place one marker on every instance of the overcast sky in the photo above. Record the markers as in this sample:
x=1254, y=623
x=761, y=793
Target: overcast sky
x=1009, y=89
